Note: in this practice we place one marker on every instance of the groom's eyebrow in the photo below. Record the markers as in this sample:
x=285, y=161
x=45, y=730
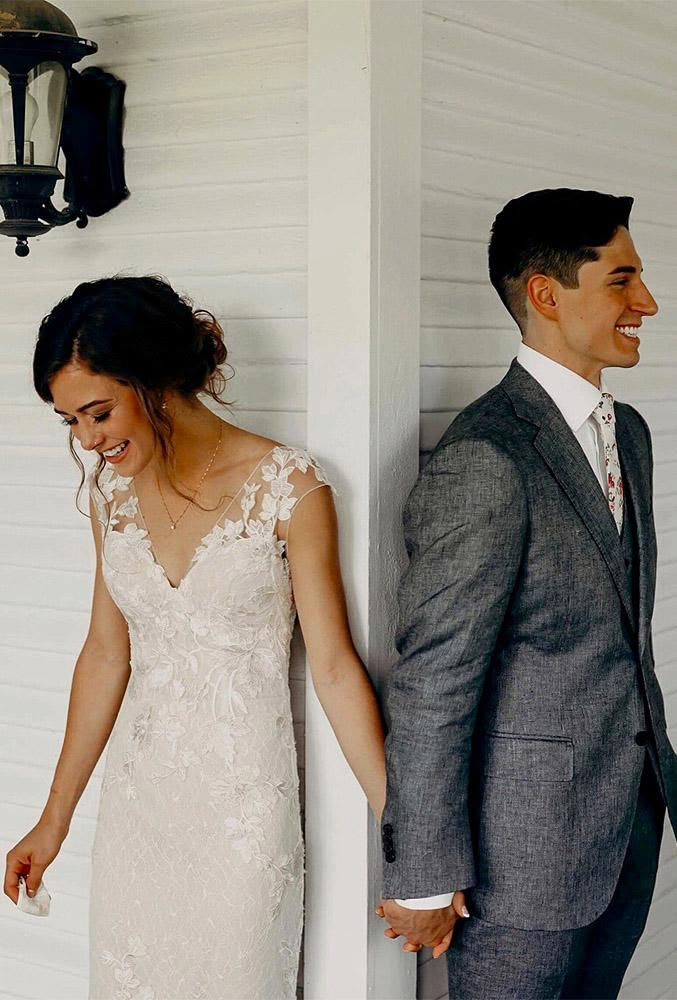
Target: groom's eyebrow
x=625, y=269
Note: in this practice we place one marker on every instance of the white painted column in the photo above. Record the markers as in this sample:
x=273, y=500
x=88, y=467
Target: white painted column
x=364, y=90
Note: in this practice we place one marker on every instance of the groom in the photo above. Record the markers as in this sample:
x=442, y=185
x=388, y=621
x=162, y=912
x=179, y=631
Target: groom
x=528, y=761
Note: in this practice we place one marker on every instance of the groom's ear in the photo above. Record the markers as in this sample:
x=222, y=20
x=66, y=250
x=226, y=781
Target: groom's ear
x=543, y=295
x=387, y=842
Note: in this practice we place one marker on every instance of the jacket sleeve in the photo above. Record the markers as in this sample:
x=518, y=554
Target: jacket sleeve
x=465, y=525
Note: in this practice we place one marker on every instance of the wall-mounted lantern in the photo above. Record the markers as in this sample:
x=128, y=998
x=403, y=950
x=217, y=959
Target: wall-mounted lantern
x=44, y=105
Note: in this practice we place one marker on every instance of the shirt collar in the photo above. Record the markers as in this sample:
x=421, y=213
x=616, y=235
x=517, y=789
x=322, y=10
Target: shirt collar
x=573, y=395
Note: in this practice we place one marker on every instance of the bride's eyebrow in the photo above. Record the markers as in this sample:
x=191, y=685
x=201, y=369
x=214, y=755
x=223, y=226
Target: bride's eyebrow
x=81, y=409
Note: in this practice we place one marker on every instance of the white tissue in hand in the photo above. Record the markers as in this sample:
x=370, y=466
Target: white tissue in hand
x=38, y=904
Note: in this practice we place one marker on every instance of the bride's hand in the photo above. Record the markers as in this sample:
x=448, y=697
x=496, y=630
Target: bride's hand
x=431, y=928
x=31, y=856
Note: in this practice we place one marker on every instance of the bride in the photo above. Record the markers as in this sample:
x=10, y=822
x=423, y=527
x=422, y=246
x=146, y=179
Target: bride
x=207, y=539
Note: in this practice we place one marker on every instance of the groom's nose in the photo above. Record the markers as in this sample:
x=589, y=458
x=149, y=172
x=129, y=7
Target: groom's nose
x=643, y=301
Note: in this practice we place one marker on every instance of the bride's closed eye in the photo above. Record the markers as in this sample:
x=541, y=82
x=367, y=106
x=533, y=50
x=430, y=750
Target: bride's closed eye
x=97, y=419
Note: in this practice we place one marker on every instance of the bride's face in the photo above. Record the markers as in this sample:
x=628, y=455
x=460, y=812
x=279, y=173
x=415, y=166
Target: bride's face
x=104, y=415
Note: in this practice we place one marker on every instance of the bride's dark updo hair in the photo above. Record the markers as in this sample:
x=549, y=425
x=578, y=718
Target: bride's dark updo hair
x=140, y=332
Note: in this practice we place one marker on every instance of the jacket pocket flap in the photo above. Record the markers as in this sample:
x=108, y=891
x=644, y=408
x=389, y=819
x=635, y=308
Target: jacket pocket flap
x=528, y=758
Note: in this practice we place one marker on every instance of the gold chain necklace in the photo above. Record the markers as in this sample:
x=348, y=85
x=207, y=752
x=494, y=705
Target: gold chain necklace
x=174, y=523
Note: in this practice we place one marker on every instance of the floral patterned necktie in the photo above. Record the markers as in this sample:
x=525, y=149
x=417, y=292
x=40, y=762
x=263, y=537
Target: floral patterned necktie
x=606, y=420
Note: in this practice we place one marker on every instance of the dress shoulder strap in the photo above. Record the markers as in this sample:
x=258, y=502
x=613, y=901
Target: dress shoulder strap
x=285, y=477
x=112, y=496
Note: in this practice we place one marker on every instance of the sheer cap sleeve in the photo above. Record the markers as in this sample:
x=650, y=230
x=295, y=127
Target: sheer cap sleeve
x=291, y=475
x=106, y=494
x=99, y=494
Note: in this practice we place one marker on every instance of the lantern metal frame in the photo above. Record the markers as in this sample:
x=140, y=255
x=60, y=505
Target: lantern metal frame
x=91, y=131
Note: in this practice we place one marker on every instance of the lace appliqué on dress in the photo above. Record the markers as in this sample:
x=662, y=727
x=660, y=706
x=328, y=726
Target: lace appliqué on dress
x=127, y=982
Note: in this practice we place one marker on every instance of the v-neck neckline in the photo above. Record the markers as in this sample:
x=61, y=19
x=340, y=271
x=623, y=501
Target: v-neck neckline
x=151, y=548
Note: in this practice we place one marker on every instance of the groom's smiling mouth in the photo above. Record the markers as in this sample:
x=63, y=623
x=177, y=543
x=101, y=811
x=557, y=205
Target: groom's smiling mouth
x=632, y=332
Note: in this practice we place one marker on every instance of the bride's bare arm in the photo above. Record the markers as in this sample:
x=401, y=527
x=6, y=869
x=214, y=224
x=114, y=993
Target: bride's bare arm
x=341, y=682
x=99, y=682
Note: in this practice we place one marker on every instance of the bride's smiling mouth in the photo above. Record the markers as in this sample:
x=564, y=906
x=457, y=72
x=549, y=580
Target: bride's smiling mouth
x=116, y=454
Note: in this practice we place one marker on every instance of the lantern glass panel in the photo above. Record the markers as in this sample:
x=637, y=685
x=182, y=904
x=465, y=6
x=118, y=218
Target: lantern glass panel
x=6, y=119
x=45, y=98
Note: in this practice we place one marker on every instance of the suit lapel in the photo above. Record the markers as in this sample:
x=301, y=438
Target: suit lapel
x=560, y=450
x=636, y=473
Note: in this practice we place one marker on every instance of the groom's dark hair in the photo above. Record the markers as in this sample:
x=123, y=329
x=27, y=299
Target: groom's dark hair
x=550, y=232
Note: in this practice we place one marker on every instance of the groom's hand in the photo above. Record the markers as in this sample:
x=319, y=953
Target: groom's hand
x=430, y=928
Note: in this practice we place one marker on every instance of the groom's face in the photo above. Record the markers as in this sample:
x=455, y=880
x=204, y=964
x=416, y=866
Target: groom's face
x=600, y=319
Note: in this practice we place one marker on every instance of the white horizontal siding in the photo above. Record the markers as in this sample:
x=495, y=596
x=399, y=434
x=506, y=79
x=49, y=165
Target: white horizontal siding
x=215, y=155
x=580, y=96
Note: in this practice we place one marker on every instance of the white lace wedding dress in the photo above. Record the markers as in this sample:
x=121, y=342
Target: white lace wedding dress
x=197, y=863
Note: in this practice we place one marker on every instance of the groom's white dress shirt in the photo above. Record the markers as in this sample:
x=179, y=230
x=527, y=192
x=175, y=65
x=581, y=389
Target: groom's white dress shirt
x=576, y=398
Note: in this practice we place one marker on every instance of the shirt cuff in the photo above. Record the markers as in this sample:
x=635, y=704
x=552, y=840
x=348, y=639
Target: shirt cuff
x=427, y=902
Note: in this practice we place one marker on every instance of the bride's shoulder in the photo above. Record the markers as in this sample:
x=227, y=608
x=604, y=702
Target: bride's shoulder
x=103, y=483
x=289, y=475
x=296, y=465
x=279, y=465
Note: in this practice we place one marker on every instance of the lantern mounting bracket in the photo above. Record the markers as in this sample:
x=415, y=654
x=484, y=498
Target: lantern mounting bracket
x=91, y=139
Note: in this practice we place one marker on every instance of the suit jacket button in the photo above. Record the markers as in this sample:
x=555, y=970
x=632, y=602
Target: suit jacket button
x=390, y=856
x=642, y=738
x=387, y=830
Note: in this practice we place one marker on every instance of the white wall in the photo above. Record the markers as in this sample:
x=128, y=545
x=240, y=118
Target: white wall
x=519, y=96
x=364, y=76
x=215, y=141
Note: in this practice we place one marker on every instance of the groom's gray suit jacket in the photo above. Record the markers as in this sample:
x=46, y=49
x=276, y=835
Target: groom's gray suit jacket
x=525, y=691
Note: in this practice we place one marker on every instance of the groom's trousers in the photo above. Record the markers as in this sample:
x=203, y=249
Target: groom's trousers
x=489, y=961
